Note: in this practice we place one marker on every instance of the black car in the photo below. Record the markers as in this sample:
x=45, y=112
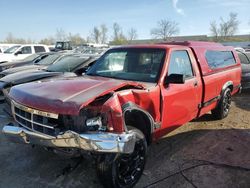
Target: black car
x=30, y=60
x=68, y=66
x=43, y=63
x=245, y=64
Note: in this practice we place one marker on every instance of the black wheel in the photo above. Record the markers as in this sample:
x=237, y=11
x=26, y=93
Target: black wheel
x=223, y=107
x=123, y=170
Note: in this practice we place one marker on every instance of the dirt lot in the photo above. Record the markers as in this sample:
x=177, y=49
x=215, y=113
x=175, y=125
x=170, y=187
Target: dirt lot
x=203, y=153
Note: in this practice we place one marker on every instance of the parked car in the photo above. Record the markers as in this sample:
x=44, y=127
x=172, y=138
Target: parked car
x=5, y=46
x=69, y=66
x=30, y=60
x=50, y=59
x=130, y=97
x=245, y=64
x=19, y=52
x=61, y=46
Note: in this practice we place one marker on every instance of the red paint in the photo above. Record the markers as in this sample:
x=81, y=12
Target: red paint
x=171, y=106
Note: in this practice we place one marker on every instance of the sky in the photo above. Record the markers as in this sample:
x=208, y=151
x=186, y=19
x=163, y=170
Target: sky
x=39, y=19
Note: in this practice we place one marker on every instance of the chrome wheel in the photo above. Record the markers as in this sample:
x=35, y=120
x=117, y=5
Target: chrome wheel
x=227, y=102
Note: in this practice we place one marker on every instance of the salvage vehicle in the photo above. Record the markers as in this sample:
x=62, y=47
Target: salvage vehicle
x=30, y=60
x=62, y=45
x=19, y=52
x=69, y=66
x=50, y=59
x=131, y=97
x=245, y=64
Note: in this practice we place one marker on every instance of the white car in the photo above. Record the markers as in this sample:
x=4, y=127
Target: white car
x=19, y=52
x=5, y=46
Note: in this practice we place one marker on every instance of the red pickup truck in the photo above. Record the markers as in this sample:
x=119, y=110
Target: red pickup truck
x=131, y=96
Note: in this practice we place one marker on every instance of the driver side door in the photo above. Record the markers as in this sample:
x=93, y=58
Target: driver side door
x=180, y=100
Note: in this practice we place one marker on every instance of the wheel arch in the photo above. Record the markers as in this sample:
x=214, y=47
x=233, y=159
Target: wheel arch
x=228, y=84
x=143, y=121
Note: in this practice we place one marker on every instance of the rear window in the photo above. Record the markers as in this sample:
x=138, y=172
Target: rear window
x=219, y=59
x=39, y=49
x=243, y=58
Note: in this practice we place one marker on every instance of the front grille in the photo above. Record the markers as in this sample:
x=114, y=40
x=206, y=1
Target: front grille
x=31, y=119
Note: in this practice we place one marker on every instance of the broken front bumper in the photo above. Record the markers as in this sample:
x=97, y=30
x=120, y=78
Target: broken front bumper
x=95, y=142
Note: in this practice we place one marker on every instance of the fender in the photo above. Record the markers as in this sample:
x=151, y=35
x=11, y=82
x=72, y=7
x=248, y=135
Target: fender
x=130, y=106
x=226, y=85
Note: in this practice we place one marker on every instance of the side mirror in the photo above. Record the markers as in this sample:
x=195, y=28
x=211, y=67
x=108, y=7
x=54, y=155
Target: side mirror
x=175, y=79
x=18, y=52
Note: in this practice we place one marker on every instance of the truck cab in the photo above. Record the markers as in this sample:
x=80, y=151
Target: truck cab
x=62, y=45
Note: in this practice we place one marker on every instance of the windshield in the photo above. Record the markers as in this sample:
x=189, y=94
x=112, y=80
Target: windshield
x=67, y=64
x=31, y=57
x=130, y=64
x=49, y=59
x=11, y=49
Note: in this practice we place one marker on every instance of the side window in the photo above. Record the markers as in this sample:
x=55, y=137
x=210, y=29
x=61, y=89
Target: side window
x=26, y=50
x=219, y=59
x=180, y=64
x=39, y=49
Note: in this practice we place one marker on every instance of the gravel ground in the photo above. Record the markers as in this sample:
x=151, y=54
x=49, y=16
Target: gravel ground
x=203, y=153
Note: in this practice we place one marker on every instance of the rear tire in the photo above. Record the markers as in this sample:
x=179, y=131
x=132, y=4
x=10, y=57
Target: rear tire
x=223, y=107
x=123, y=170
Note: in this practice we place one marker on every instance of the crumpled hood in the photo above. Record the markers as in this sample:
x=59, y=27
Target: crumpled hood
x=65, y=96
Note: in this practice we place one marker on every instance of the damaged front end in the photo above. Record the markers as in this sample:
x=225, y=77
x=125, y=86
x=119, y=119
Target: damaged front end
x=98, y=128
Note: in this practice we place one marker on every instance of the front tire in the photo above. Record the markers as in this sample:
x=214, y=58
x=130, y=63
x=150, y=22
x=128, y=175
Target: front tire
x=123, y=170
x=223, y=107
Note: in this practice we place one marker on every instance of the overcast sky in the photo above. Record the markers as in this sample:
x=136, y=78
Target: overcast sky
x=38, y=19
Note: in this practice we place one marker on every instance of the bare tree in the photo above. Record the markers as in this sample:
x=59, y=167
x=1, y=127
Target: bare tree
x=226, y=28
x=48, y=41
x=229, y=27
x=96, y=35
x=214, y=30
x=132, y=34
x=104, y=31
x=9, y=38
x=165, y=29
x=61, y=34
x=75, y=39
x=118, y=36
x=117, y=31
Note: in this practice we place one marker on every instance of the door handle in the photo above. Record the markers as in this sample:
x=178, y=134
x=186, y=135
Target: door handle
x=195, y=83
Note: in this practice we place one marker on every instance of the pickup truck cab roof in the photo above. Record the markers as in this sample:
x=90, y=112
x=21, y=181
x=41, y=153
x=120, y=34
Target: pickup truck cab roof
x=202, y=52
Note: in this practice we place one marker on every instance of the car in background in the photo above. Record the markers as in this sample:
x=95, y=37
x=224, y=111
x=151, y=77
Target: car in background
x=239, y=49
x=50, y=59
x=19, y=52
x=69, y=66
x=30, y=60
x=5, y=46
x=61, y=46
x=245, y=64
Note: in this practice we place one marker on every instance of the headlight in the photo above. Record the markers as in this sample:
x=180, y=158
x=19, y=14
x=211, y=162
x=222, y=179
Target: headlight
x=95, y=123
